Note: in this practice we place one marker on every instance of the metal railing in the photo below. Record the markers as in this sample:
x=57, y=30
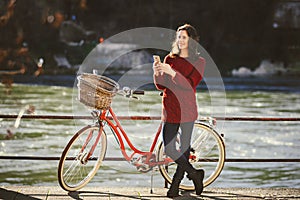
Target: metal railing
x=69, y=117
x=149, y=117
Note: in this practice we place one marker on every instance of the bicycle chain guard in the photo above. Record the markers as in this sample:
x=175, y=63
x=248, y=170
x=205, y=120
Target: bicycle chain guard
x=140, y=163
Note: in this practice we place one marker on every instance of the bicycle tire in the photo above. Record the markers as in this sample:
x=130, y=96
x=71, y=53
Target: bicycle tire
x=74, y=171
x=209, y=150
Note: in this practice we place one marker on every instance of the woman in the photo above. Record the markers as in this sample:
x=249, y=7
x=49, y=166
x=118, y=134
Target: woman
x=178, y=76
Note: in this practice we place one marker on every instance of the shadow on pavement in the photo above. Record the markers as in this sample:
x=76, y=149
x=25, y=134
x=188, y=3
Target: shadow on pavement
x=9, y=194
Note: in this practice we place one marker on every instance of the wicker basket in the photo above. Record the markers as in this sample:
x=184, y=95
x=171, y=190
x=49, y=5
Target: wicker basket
x=96, y=91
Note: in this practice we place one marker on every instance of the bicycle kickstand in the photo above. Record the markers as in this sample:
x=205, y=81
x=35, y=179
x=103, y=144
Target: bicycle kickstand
x=152, y=173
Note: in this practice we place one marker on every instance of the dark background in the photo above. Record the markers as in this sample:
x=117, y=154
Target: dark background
x=234, y=32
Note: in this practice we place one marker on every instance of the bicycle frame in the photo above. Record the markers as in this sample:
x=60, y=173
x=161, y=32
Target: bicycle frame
x=120, y=133
x=90, y=144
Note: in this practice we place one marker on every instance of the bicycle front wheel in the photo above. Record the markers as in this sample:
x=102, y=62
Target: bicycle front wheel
x=207, y=153
x=81, y=158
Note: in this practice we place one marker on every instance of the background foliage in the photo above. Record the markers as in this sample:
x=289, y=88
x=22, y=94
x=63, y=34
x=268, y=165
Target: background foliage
x=234, y=32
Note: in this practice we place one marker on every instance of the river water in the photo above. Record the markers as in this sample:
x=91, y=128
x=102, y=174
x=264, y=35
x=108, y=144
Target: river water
x=273, y=97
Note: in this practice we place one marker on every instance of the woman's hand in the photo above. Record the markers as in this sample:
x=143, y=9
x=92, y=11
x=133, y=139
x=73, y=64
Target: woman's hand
x=156, y=68
x=163, y=68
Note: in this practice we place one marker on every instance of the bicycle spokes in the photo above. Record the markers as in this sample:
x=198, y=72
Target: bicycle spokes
x=81, y=158
x=207, y=152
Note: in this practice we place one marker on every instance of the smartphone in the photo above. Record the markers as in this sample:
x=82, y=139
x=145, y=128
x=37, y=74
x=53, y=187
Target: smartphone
x=156, y=58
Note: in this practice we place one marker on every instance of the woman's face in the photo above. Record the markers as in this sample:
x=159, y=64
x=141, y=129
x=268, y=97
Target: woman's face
x=182, y=40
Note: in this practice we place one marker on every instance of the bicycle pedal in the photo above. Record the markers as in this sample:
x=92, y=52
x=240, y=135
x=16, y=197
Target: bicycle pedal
x=144, y=168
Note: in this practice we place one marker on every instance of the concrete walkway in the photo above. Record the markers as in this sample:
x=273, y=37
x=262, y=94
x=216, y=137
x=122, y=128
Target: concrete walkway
x=54, y=193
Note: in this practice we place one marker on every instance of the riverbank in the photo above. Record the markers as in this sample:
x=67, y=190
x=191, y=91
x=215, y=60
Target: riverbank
x=270, y=84
x=55, y=192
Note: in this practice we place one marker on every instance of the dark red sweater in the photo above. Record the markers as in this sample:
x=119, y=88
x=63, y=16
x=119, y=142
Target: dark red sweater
x=179, y=99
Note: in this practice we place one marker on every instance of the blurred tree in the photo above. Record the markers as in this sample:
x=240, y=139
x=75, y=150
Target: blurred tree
x=234, y=32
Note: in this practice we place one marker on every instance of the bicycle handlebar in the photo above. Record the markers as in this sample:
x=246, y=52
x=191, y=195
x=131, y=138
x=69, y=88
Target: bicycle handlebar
x=127, y=92
x=138, y=92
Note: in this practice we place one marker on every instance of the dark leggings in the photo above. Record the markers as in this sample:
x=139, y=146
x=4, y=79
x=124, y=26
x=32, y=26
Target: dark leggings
x=181, y=157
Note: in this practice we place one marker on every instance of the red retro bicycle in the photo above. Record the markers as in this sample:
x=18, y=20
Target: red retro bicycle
x=84, y=153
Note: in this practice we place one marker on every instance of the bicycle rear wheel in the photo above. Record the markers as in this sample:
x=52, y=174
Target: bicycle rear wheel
x=207, y=152
x=76, y=167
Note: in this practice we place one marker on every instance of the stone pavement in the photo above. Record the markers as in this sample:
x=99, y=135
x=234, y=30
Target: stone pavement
x=56, y=193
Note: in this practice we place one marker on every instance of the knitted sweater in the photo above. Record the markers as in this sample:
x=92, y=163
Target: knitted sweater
x=179, y=93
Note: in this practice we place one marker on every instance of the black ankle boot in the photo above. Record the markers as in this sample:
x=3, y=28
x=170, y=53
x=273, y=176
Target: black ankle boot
x=197, y=178
x=174, y=189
